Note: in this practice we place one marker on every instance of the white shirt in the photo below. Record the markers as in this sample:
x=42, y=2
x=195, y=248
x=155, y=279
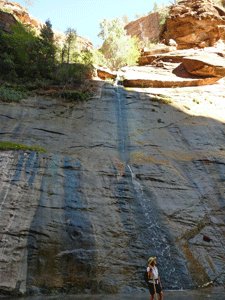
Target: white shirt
x=154, y=272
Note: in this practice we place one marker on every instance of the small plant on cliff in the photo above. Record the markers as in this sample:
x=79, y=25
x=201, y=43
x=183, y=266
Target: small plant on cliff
x=119, y=49
x=5, y=146
x=163, y=14
x=76, y=95
x=10, y=95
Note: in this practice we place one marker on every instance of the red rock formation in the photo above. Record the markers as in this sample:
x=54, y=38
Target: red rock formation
x=20, y=12
x=195, y=23
x=84, y=44
x=145, y=28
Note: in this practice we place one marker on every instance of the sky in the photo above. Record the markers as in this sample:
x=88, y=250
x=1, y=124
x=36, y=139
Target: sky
x=84, y=15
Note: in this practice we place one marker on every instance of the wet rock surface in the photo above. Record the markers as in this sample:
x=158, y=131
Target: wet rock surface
x=125, y=177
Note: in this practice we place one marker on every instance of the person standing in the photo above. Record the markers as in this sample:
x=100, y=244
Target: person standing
x=154, y=283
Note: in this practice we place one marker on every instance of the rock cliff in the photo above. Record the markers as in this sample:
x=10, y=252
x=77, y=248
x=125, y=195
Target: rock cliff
x=125, y=177
x=145, y=28
x=6, y=21
x=195, y=23
x=18, y=11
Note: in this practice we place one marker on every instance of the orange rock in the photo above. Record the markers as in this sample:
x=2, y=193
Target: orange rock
x=194, y=23
x=145, y=28
x=205, y=65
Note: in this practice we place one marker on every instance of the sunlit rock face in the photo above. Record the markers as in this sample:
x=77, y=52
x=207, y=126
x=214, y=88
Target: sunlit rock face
x=146, y=29
x=195, y=23
x=20, y=12
x=124, y=178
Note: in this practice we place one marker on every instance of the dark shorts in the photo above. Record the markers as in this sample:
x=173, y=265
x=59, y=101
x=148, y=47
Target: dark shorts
x=153, y=289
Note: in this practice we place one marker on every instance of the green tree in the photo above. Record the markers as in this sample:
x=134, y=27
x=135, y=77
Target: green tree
x=119, y=49
x=125, y=19
x=155, y=8
x=163, y=14
x=7, y=66
x=47, y=49
x=71, y=36
x=22, y=47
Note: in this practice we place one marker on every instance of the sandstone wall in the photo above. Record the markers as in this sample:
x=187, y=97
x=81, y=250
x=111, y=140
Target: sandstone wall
x=194, y=23
x=145, y=28
x=115, y=187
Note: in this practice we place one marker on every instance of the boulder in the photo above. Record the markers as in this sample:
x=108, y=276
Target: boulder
x=194, y=23
x=105, y=73
x=157, y=49
x=205, y=65
x=170, y=75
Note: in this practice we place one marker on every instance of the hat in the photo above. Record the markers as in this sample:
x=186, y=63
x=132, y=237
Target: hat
x=151, y=259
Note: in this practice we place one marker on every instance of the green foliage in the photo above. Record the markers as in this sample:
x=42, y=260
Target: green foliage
x=28, y=57
x=72, y=73
x=5, y=146
x=98, y=58
x=10, y=95
x=119, y=49
x=76, y=95
x=47, y=50
x=155, y=8
x=163, y=14
x=23, y=54
x=71, y=36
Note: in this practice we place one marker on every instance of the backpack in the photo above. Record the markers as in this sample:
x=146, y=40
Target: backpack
x=146, y=276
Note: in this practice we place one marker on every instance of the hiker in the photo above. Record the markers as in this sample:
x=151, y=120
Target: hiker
x=154, y=283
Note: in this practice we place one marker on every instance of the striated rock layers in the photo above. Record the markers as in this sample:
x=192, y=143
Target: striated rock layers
x=195, y=23
x=124, y=178
x=145, y=28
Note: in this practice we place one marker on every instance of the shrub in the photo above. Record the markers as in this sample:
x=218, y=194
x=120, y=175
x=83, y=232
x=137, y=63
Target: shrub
x=72, y=73
x=10, y=95
x=163, y=14
x=75, y=95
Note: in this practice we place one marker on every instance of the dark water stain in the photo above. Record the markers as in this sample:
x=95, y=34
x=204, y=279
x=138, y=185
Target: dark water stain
x=61, y=246
x=19, y=167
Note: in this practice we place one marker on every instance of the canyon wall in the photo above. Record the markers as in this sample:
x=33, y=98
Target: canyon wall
x=124, y=178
